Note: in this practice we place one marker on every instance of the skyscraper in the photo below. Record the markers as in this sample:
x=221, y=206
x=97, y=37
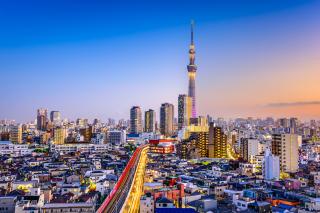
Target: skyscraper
x=55, y=117
x=42, y=117
x=184, y=111
x=166, y=119
x=149, y=120
x=192, y=69
x=286, y=146
x=135, y=120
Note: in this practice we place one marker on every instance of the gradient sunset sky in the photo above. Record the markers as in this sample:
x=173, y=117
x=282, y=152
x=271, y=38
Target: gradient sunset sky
x=95, y=59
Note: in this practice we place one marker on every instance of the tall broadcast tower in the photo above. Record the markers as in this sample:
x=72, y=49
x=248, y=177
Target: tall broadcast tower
x=192, y=69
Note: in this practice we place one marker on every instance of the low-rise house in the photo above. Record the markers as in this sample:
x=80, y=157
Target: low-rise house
x=292, y=184
x=5, y=185
x=205, y=204
x=311, y=206
x=190, y=188
x=7, y=204
x=47, y=193
x=218, y=190
x=97, y=175
x=64, y=198
x=68, y=207
x=73, y=179
x=163, y=202
x=191, y=197
x=260, y=206
x=29, y=203
x=91, y=197
x=72, y=188
x=242, y=203
x=103, y=186
x=146, y=204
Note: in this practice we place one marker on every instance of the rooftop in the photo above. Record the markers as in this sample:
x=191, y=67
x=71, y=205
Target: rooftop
x=67, y=205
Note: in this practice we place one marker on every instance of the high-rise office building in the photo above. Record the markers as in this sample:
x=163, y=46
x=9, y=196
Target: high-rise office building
x=55, y=117
x=271, y=166
x=184, y=110
x=42, y=118
x=249, y=147
x=286, y=146
x=166, y=119
x=192, y=69
x=149, y=120
x=16, y=133
x=217, y=144
x=135, y=120
x=59, y=135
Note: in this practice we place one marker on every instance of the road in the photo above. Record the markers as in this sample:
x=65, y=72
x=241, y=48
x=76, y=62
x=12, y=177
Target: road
x=132, y=202
x=115, y=201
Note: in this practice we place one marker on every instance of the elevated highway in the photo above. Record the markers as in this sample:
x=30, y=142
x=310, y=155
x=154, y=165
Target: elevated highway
x=124, y=188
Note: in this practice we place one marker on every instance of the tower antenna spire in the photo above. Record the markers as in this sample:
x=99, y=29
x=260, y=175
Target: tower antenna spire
x=192, y=26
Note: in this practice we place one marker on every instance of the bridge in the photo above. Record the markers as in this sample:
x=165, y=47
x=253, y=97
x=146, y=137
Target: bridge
x=125, y=196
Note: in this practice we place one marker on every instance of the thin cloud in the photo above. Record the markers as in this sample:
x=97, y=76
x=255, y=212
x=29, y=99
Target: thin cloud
x=298, y=103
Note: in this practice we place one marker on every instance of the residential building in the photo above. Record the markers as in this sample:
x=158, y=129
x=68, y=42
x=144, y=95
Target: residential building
x=7, y=204
x=59, y=135
x=271, y=166
x=249, y=147
x=163, y=202
x=146, y=204
x=116, y=137
x=68, y=207
x=87, y=133
x=286, y=147
x=8, y=148
x=217, y=143
x=203, y=143
x=16, y=133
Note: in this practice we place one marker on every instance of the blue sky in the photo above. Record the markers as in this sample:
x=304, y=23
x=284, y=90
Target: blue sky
x=98, y=58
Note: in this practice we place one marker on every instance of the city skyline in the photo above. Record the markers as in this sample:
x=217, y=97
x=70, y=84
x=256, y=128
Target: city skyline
x=169, y=106
x=84, y=75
